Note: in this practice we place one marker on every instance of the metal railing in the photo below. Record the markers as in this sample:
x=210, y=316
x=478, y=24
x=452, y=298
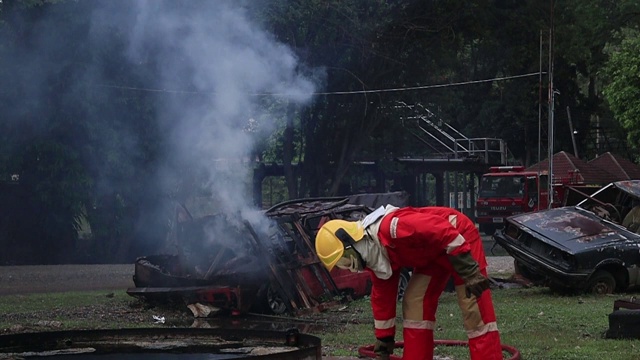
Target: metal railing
x=447, y=141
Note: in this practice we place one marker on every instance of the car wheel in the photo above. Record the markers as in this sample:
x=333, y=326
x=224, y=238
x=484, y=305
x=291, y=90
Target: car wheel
x=601, y=283
x=402, y=285
x=275, y=302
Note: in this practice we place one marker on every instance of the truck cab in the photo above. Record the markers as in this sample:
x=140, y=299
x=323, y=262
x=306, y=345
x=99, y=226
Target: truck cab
x=506, y=191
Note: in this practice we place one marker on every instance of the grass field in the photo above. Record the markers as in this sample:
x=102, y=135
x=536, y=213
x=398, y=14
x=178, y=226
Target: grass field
x=539, y=324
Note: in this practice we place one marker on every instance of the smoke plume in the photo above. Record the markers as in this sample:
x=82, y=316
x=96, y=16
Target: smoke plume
x=217, y=78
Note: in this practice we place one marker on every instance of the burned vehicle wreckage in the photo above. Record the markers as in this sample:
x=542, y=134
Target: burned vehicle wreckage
x=223, y=264
x=593, y=246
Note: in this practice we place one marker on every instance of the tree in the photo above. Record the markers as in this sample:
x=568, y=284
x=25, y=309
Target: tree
x=583, y=31
x=92, y=131
x=34, y=146
x=363, y=46
x=623, y=90
x=76, y=146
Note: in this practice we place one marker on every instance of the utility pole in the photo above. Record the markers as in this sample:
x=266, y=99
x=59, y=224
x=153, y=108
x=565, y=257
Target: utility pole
x=551, y=107
x=540, y=92
x=540, y=104
x=573, y=133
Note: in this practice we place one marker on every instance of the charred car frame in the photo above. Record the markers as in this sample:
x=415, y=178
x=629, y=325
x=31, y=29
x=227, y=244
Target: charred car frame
x=267, y=265
x=583, y=247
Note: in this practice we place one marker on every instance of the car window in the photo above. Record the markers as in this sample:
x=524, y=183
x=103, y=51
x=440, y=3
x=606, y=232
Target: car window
x=502, y=186
x=610, y=203
x=600, y=197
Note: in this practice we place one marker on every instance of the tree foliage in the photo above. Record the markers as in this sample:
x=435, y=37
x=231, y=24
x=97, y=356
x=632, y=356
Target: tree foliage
x=623, y=91
x=83, y=121
x=66, y=139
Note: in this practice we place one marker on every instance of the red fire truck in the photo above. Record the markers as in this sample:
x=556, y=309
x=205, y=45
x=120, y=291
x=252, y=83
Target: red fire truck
x=510, y=190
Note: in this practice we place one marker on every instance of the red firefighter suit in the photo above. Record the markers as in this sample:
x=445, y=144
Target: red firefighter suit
x=424, y=239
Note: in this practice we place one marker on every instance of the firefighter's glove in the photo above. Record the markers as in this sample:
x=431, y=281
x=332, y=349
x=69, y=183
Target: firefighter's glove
x=384, y=348
x=475, y=283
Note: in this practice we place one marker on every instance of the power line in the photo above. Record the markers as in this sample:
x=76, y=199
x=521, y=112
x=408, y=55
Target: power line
x=427, y=86
x=411, y=88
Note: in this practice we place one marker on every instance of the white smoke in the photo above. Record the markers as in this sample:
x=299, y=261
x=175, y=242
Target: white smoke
x=227, y=66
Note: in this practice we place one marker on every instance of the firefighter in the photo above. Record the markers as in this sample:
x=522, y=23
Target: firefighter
x=437, y=243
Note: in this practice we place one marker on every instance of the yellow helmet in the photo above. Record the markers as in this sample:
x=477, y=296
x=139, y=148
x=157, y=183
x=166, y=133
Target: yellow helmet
x=329, y=247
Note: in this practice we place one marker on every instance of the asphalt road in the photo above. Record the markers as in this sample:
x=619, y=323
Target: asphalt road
x=54, y=278
x=59, y=278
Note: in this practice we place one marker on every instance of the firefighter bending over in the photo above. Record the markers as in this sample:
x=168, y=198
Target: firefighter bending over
x=437, y=243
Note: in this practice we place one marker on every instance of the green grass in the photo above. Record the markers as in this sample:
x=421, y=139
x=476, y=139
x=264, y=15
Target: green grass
x=70, y=310
x=541, y=325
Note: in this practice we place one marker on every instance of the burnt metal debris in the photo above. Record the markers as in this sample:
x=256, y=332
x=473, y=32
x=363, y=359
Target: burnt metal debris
x=238, y=267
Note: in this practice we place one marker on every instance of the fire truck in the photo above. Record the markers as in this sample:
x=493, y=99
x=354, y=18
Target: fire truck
x=511, y=190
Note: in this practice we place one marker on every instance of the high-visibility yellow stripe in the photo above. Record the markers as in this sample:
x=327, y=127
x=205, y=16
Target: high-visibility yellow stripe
x=419, y=324
x=384, y=324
